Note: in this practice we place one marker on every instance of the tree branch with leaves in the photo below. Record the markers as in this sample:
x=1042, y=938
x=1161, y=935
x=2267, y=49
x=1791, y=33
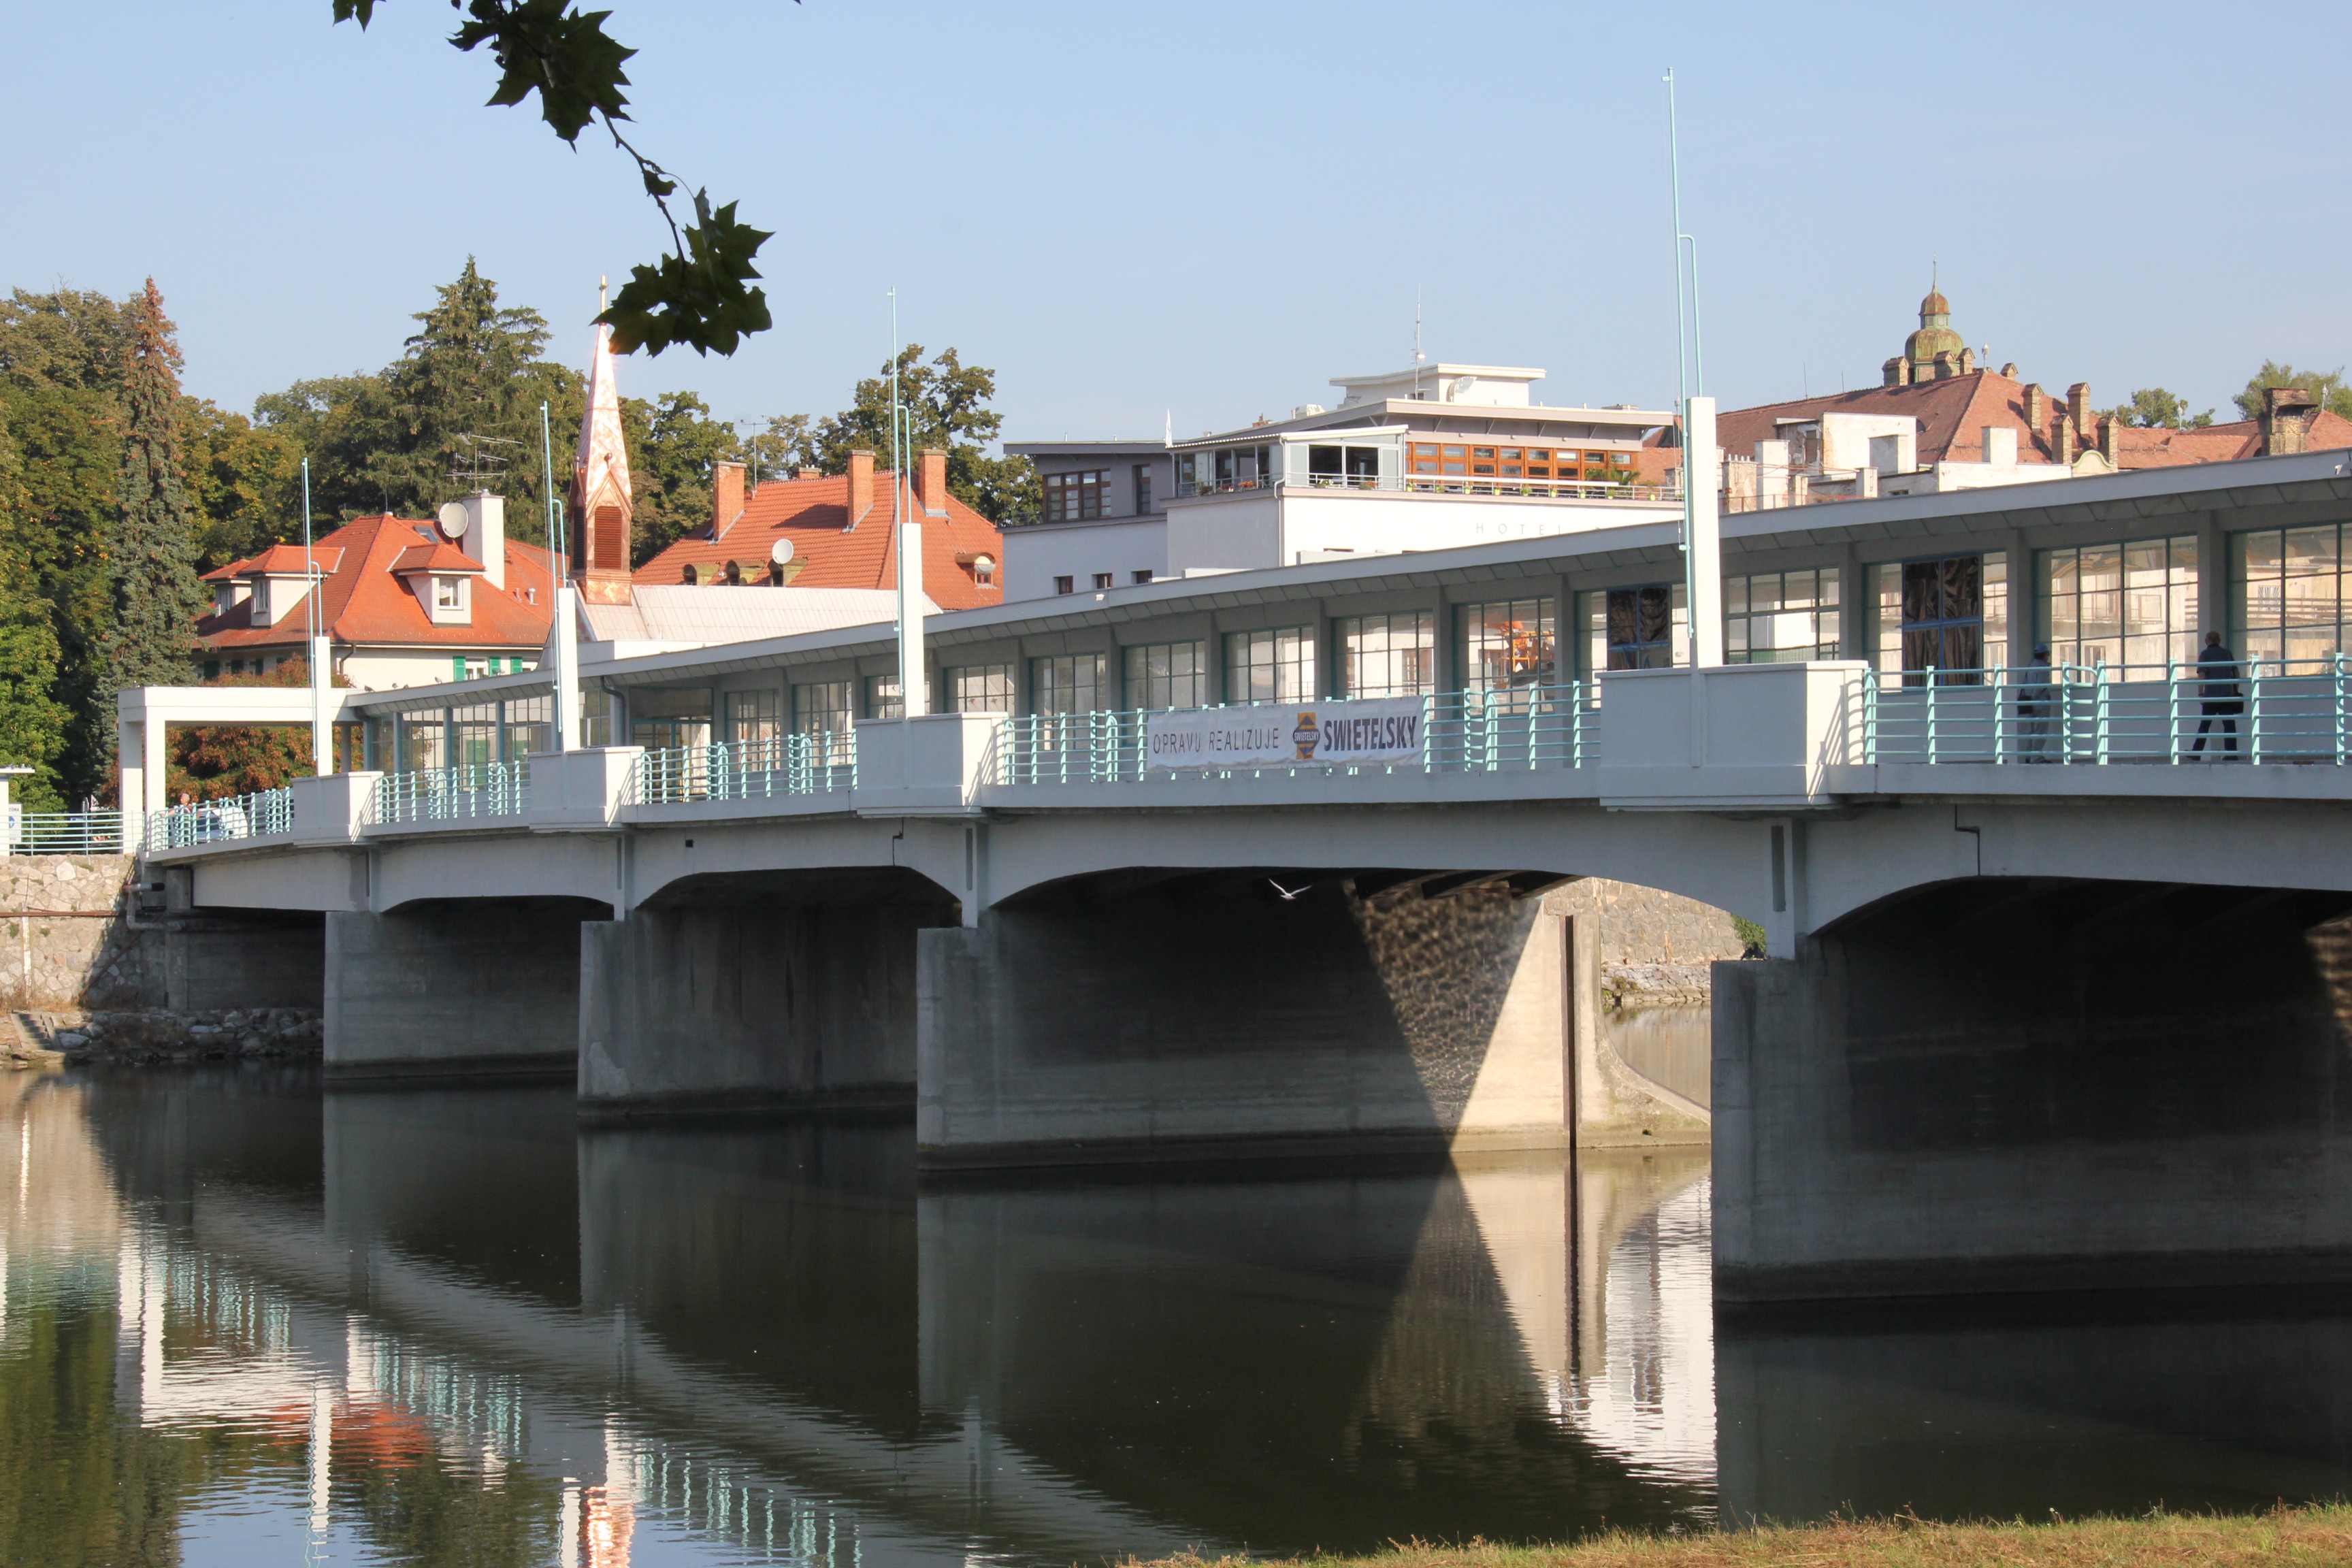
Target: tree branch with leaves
x=700, y=293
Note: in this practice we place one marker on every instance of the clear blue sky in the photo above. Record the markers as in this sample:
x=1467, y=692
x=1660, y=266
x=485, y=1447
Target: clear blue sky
x=1212, y=208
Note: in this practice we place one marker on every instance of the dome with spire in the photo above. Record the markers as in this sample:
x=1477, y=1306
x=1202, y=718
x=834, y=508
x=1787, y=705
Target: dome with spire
x=1935, y=336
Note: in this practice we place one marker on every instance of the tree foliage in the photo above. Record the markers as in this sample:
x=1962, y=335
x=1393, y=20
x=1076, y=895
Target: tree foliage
x=151, y=550
x=946, y=406
x=215, y=761
x=2152, y=407
x=32, y=720
x=699, y=293
x=2325, y=385
x=673, y=444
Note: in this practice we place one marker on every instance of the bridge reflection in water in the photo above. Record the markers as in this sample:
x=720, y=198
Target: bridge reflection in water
x=436, y=1326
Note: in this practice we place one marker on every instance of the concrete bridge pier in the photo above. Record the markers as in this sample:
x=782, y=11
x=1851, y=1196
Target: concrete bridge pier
x=752, y=991
x=2006, y=1084
x=470, y=986
x=1244, y=1013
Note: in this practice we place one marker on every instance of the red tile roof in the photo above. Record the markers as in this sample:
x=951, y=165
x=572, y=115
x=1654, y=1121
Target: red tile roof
x=2161, y=448
x=365, y=603
x=1952, y=414
x=444, y=558
x=814, y=515
x=279, y=560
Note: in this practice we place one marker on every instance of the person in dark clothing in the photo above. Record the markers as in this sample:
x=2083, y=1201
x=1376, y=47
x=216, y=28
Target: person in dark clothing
x=2036, y=697
x=2217, y=667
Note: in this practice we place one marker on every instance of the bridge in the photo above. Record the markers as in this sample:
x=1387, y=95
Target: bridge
x=2051, y=996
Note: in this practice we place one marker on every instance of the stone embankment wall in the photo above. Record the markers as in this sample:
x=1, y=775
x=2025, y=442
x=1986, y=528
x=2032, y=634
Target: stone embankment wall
x=65, y=941
x=1655, y=947
x=161, y=1036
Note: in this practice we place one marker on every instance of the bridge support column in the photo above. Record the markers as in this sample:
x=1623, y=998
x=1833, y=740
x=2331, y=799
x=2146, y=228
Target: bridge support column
x=471, y=987
x=1202, y=1023
x=746, y=1006
x=2010, y=1086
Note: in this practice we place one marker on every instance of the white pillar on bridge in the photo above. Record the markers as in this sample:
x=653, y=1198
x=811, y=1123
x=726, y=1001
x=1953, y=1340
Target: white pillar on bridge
x=1702, y=545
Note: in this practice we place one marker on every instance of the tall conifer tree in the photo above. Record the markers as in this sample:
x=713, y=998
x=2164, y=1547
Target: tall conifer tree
x=150, y=553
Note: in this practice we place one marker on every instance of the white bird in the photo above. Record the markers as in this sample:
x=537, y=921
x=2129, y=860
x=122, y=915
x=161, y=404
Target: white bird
x=1287, y=893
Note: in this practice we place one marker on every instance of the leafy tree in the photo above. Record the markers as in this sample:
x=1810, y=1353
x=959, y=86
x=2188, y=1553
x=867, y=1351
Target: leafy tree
x=151, y=549
x=464, y=396
x=214, y=762
x=780, y=449
x=946, y=406
x=2325, y=385
x=73, y=337
x=673, y=444
x=245, y=480
x=32, y=722
x=699, y=294
x=2152, y=407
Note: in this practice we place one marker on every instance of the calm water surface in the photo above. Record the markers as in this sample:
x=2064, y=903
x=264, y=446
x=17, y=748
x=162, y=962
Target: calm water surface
x=244, y=1321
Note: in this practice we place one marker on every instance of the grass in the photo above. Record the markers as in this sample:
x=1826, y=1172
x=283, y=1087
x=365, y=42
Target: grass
x=2317, y=1534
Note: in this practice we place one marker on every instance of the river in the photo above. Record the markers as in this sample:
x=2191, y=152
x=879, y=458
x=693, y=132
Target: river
x=249, y=1322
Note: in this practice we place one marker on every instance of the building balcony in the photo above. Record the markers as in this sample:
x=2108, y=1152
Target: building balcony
x=1434, y=484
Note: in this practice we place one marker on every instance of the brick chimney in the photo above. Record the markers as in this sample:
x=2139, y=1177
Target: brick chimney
x=2063, y=449
x=2108, y=443
x=2037, y=411
x=808, y=474
x=932, y=487
x=861, y=487
x=2286, y=416
x=726, y=498
x=2078, y=408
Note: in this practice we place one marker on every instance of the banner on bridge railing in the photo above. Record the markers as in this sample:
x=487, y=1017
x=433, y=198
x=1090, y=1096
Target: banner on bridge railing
x=1375, y=732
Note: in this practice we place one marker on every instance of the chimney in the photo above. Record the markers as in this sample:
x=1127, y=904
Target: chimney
x=486, y=535
x=861, y=485
x=2078, y=407
x=2108, y=442
x=2063, y=447
x=808, y=474
x=726, y=498
x=2000, y=446
x=932, y=491
x=2286, y=416
x=2037, y=411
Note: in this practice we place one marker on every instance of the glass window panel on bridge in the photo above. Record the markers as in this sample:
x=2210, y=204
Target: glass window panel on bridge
x=596, y=716
x=820, y=709
x=1167, y=675
x=981, y=688
x=2288, y=595
x=756, y=716
x=529, y=726
x=424, y=740
x=2130, y=606
x=1509, y=643
x=1066, y=683
x=882, y=698
x=1948, y=612
x=663, y=718
x=1394, y=655
x=1780, y=618
x=1646, y=627
x=1276, y=665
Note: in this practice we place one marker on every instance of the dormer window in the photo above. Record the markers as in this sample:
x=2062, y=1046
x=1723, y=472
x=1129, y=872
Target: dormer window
x=448, y=596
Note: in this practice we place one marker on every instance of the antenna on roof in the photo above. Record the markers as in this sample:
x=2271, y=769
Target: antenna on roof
x=1417, y=355
x=477, y=460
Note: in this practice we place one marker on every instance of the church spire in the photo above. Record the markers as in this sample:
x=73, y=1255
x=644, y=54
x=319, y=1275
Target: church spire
x=602, y=500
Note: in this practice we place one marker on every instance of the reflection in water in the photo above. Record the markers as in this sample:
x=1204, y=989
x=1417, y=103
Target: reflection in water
x=1671, y=1047
x=244, y=1322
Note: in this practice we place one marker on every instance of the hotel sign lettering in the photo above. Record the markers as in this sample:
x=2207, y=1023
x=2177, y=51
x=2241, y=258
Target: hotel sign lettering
x=1371, y=731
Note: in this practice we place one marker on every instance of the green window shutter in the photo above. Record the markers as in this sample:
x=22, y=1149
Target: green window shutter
x=457, y=666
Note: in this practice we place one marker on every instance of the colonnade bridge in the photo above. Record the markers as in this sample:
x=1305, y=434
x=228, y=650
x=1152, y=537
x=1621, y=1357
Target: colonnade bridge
x=2051, y=987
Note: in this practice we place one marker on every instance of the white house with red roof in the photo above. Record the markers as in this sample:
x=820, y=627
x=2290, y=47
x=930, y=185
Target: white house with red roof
x=404, y=603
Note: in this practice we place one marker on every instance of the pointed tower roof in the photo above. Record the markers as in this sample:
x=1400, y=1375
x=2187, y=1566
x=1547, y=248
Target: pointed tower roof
x=602, y=465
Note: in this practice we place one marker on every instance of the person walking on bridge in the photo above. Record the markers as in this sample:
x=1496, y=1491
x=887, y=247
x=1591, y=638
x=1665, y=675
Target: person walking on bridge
x=2217, y=667
x=2035, y=699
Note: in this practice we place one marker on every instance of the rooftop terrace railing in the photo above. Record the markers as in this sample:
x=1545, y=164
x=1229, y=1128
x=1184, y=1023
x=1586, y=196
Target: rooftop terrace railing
x=1442, y=484
x=254, y=815
x=68, y=833
x=1515, y=730
x=820, y=763
x=467, y=792
x=2270, y=711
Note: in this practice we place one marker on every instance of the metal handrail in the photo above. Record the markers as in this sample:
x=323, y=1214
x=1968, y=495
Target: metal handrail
x=811, y=763
x=255, y=815
x=67, y=832
x=464, y=792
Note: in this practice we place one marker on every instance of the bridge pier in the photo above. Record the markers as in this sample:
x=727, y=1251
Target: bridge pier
x=2011, y=1084
x=1206, y=1015
x=460, y=986
x=748, y=995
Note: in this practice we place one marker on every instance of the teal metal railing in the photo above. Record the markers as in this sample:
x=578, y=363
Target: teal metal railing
x=469, y=791
x=780, y=766
x=67, y=832
x=1514, y=728
x=255, y=815
x=2281, y=712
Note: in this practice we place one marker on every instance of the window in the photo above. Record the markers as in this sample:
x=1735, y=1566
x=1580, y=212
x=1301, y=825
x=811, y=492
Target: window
x=751, y=716
x=1066, y=683
x=596, y=716
x=1142, y=576
x=660, y=719
x=473, y=666
x=2131, y=605
x=2289, y=597
x=821, y=710
x=1642, y=627
x=1168, y=675
x=1064, y=584
x=1949, y=614
x=981, y=688
x=882, y=697
x=1102, y=580
x=529, y=727
x=1348, y=467
x=1273, y=666
x=1387, y=655
x=1075, y=498
x=1511, y=643
x=212, y=669
x=449, y=596
x=1143, y=489
x=1780, y=618
x=424, y=742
